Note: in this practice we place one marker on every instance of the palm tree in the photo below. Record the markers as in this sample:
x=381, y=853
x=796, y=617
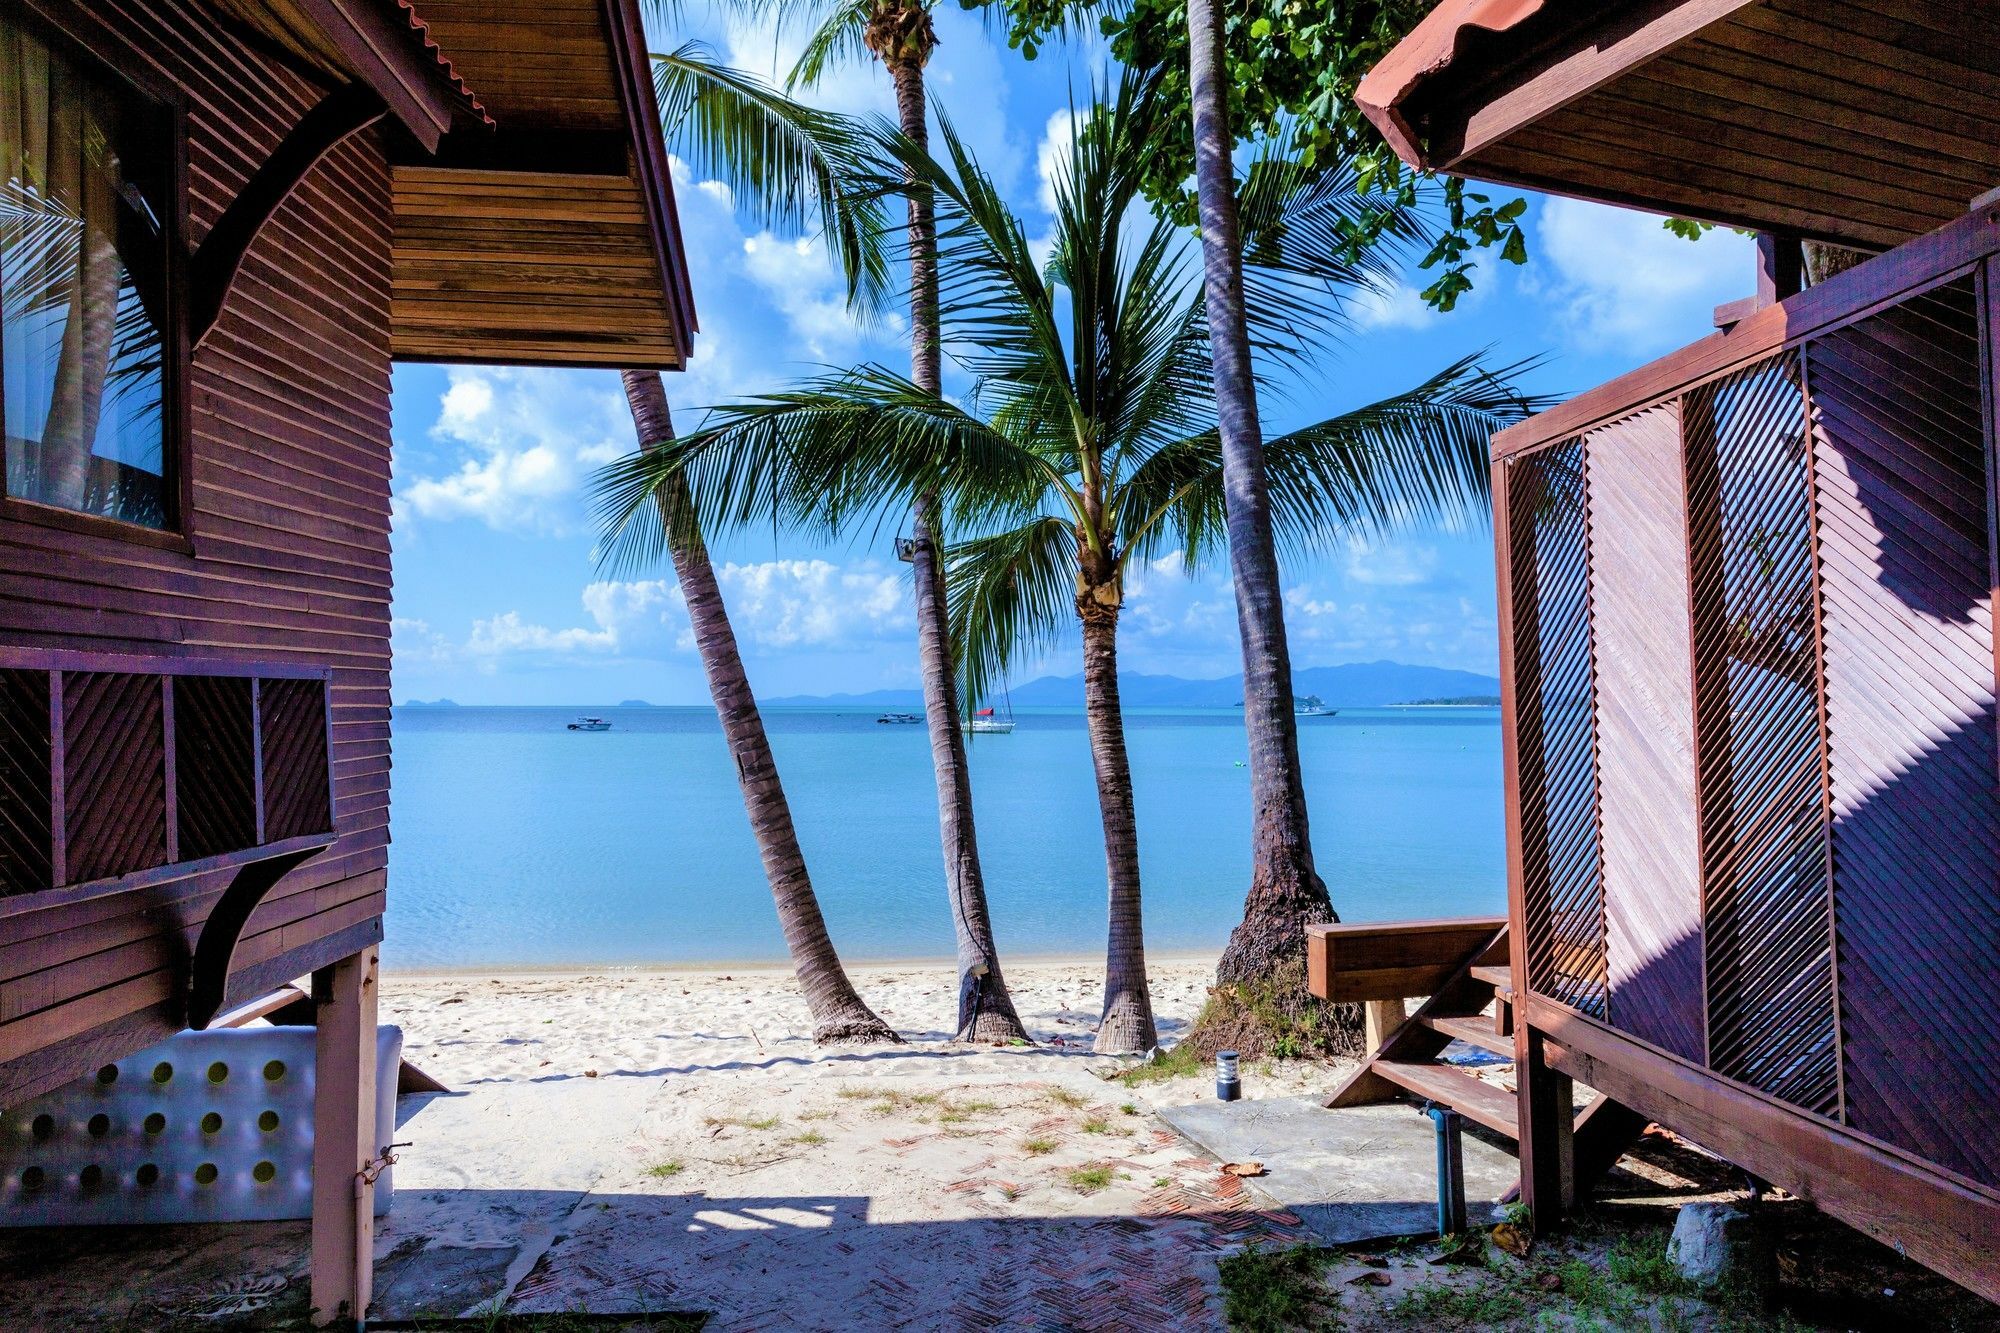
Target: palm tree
x=1267, y=948
x=900, y=35
x=1092, y=441
x=792, y=166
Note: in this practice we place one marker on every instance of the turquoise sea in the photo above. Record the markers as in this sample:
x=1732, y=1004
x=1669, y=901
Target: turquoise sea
x=518, y=843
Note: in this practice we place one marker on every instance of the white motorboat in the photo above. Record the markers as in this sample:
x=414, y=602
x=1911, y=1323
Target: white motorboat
x=1311, y=705
x=901, y=719
x=590, y=724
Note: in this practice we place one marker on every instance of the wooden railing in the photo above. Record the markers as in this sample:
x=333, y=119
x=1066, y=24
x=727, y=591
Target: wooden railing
x=1747, y=601
x=119, y=771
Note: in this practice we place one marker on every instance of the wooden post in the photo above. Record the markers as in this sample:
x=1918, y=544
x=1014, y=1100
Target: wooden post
x=1380, y=1019
x=1781, y=267
x=1548, y=1152
x=345, y=1141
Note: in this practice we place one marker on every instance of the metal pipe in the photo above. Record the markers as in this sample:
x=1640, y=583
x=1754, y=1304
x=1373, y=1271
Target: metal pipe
x=1450, y=1167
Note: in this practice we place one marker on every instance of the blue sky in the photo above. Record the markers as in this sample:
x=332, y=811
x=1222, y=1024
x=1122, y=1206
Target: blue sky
x=497, y=597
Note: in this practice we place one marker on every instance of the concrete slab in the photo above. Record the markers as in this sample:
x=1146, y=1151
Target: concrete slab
x=1359, y=1173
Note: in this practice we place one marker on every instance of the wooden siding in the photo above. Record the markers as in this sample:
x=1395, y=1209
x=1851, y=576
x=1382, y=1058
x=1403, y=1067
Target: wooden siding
x=289, y=408
x=1899, y=448
x=1645, y=746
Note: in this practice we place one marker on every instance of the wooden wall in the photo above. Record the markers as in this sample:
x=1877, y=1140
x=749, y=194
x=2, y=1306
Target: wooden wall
x=289, y=414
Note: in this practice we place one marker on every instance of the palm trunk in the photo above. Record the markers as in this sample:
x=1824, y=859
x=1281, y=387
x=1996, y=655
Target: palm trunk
x=1286, y=892
x=985, y=1009
x=839, y=1013
x=1127, y=1023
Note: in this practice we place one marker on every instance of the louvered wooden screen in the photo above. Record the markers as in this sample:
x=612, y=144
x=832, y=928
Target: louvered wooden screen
x=1560, y=867
x=1768, y=933
x=116, y=771
x=1753, y=680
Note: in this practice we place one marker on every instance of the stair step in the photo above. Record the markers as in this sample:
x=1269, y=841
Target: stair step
x=1472, y=1029
x=1474, y=1098
x=1499, y=976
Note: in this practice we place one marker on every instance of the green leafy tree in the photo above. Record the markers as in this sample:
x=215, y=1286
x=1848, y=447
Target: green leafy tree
x=1091, y=438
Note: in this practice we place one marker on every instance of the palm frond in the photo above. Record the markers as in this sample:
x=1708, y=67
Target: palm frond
x=840, y=38
x=818, y=456
x=790, y=166
x=1013, y=593
x=1417, y=456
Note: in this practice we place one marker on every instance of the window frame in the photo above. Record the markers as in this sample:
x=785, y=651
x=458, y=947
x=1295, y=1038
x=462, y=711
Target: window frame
x=85, y=38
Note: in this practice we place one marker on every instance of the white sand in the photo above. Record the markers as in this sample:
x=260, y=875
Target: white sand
x=673, y=1139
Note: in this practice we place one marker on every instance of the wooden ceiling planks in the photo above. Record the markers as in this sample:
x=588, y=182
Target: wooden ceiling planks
x=1854, y=121
x=532, y=266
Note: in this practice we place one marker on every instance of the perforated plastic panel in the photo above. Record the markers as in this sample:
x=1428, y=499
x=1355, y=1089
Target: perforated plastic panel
x=204, y=1127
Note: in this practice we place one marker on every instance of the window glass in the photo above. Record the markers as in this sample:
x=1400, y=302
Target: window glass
x=85, y=190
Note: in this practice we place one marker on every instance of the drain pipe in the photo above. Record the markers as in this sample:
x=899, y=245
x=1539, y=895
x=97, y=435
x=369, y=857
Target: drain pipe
x=1450, y=1126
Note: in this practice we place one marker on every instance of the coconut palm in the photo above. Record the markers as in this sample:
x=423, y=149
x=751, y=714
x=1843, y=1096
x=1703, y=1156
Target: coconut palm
x=899, y=34
x=1090, y=441
x=792, y=167
x=1267, y=948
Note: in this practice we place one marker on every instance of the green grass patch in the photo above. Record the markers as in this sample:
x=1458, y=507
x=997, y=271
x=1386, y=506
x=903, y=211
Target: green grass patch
x=1038, y=1147
x=1097, y=1124
x=1089, y=1179
x=1175, y=1062
x=1064, y=1097
x=812, y=1138
x=665, y=1170
x=1273, y=1291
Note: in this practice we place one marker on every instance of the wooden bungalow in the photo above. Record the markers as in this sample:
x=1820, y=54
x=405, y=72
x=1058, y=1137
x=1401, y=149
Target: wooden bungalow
x=220, y=222
x=1746, y=596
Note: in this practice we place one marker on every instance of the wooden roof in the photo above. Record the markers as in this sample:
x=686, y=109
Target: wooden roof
x=1862, y=122
x=551, y=239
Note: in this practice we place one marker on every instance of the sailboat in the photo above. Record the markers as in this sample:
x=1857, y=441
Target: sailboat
x=984, y=723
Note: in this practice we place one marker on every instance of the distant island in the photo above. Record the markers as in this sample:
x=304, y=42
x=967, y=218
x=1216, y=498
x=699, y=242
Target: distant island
x=430, y=703
x=1353, y=685
x=1456, y=701
x=633, y=703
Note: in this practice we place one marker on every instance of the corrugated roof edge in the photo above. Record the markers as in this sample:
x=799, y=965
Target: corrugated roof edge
x=1430, y=48
x=459, y=87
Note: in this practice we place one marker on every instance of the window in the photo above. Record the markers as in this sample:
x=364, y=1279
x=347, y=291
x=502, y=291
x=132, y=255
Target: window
x=87, y=174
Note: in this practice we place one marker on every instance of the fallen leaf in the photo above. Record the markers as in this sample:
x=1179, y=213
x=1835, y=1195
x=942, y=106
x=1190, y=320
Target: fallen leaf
x=1513, y=1239
x=1243, y=1169
x=1374, y=1277
x=1550, y=1282
x=590, y=1073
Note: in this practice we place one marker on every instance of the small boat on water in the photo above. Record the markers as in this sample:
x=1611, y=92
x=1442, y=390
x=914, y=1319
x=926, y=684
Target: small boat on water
x=901, y=719
x=984, y=723
x=1311, y=705
x=590, y=724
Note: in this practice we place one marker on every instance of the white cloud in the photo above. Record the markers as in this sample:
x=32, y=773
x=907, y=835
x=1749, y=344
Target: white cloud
x=517, y=444
x=1619, y=276
x=799, y=278
x=786, y=604
x=1052, y=155
x=1390, y=304
x=1401, y=564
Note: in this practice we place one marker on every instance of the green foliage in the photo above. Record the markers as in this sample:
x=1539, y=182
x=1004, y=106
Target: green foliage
x=1272, y=1291
x=1089, y=1179
x=1686, y=228
x=665, y=1170
x=1293, y=66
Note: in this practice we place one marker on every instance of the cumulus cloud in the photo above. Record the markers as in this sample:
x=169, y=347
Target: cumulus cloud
x=511, y=447
x=1390, y=304
x=785, y=604
x=1402, y=564
x=1618, y=276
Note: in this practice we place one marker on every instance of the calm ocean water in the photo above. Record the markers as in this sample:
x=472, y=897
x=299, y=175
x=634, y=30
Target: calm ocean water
x=519, y=843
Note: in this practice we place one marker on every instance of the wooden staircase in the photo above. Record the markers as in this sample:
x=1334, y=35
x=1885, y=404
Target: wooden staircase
x=1471, y=1000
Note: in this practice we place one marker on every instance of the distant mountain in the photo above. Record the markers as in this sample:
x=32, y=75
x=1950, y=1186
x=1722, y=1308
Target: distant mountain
x=1354, y=685
x=633, y=703
x=430, y=703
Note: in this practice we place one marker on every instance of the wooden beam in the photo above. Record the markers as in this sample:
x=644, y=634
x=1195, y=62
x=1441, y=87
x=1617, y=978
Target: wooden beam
x=1394, y=960
x=346, y=1142
x=1939, y=1219
x=1546, y=1110
x=208, y=979
x=405, y=78
x=1576, y=65
x=212, y=272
